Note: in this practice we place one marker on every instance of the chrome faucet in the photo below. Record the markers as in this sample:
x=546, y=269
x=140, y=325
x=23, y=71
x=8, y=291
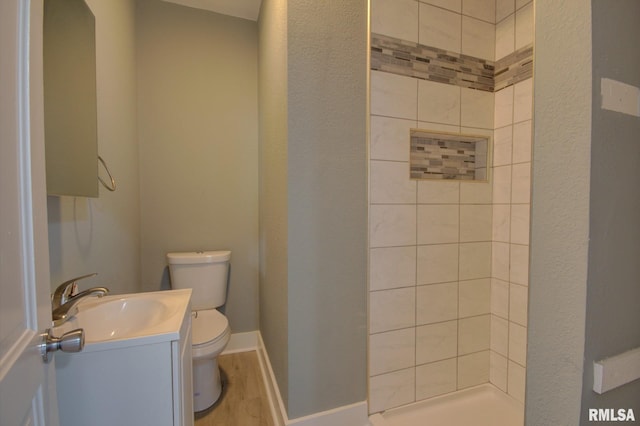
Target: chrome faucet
x=64, y=302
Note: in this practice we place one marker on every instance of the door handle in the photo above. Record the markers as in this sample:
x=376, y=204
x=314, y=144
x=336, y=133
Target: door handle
x=72, y=341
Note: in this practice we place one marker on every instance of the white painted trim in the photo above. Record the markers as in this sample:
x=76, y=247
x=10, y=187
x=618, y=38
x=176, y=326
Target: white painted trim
x=242, y=342
x=348, y=415
x=616, y=371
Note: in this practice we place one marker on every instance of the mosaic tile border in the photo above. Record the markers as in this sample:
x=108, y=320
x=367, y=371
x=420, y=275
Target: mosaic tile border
x=411, y=59
x=440, y=155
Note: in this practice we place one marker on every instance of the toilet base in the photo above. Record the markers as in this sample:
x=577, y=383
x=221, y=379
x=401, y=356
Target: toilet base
x=207, y=385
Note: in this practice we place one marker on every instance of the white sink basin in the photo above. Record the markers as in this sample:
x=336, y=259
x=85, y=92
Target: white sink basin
x=128, y=316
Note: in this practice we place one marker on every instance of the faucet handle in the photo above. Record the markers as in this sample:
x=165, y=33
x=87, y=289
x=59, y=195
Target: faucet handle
x=63, y=291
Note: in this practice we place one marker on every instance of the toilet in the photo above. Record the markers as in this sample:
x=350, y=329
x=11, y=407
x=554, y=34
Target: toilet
x=206, y=274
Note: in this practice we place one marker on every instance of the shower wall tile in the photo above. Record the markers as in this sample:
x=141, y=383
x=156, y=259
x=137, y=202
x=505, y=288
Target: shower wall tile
x=478, y=38
x=516, y=381
x=518, y=295
x=438, y=223
x=389, y=138
x=476, y=109
x=392, y=390
x=395, y=18
x=475, y=222
x=524, y=26
x=392, y=225
x=474, y=334
x=392, y=267
x=505, y=37
x=393, y=95
x=504, y=8
x=475, y=260
x=438, y=102
x=500, y=298
x=440, y=28
x=502, y=146
x=449, y=260
x=520, y=224
x=392, y=351
x=498, y=371
x=499, y=335
x=519, y=264
x=389, y=183
x=504, y=107
x=436, y=303
x=521, y=183
x=437, y=263
x=392, y=309
x=436, y=342
x=475, y=193
x=521, y=3
x=474, y=297
x=518, y=344
x=432, y=192
x=502, y=185
x=453, y=5
x=523, y=101
x=480, y=9
x=501, y=223
x=436, y=378
x=522, y=142
x=473, y=369
x=500, y=263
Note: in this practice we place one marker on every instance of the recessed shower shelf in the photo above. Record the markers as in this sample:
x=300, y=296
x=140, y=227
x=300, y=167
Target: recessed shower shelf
x=450, y=156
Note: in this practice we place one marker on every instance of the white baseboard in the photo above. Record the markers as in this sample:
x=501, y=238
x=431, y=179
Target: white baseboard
x=348, y=415
x=242, y=342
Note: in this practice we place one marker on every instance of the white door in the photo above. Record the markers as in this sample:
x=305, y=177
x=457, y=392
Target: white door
x=27, y=384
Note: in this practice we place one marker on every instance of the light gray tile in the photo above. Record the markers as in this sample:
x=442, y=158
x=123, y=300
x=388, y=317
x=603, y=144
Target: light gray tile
x=436, y=303
x=498, y=371
x=504, y=107
x=436, y=378
x=516, y=381
x=453, y=5
x=480, y=9
x=502, y=185
x=478, y=38
x=474, y=334
x=438, y=223
x=504, y=8
x=392, y=225
x=523, y=100
x=392, y=309
x=473, y=369
x=440, y=28
x=391, y=351
x=502, y=146
x=392, y=267
x=499, y=335
x=500, y=261
x=524, y=26
x=475, y=222
x=390, y=138
x=474, y=297
x=500, y=297
x=475, y=260
x=390, y=183
x=436, y=342
x=395, y=18
x=520, y=223
x=519, y=271
x=438, y=102
x=391, y=390
x=522, y=142
x=518, y=296
x=393, y=95
x=501, y=223
x=437, y=263
x=438, y=192
x=518, y=344
x=477, y=109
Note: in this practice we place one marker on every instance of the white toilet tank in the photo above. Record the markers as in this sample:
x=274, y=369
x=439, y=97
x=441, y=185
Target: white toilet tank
x=205, y=272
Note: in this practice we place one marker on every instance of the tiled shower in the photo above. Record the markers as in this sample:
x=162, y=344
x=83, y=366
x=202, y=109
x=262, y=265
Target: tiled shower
x=448, y=258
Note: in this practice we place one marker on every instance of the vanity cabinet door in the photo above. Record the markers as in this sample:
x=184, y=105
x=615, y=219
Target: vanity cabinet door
x=183, y=376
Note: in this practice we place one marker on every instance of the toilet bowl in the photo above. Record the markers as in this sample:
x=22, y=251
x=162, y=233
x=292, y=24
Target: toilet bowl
x=210, y=335
x=206, y=273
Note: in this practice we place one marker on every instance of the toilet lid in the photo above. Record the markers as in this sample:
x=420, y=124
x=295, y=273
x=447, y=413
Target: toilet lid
x=207, y=325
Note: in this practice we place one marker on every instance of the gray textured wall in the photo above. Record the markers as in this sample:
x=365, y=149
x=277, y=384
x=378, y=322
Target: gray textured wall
x=272, y=77
x=103, y=234
x=198, y=142
x=327, y=77
x=313, y=313
x=613, y=287
x=560, y=212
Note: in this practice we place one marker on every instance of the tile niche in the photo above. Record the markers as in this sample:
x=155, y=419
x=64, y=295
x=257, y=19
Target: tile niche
x=454, y=156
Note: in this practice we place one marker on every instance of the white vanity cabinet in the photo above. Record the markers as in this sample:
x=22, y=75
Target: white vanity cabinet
x=137, y=381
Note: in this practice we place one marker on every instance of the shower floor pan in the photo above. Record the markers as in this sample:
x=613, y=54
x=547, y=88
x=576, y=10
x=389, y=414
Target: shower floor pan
x=482, y=405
